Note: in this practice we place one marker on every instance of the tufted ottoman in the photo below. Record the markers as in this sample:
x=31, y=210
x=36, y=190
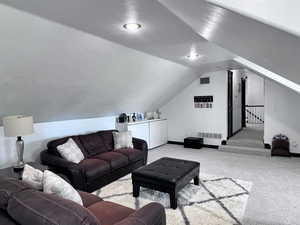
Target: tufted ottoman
x=166, y=175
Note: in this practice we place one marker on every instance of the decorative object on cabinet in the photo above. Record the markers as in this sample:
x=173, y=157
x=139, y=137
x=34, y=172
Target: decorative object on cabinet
x=149, y=116
x=158, y=114
x=18, y=126
x=133, y=117
x=123, y=118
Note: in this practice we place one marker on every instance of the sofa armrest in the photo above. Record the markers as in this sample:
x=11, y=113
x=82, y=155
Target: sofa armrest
x=71, y=170
x=141, y=145
x=151, y=214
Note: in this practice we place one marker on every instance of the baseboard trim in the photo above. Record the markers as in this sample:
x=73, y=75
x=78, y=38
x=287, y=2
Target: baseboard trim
x=181, y=143
x=267, y=146
x=211, y=146
x=297, y=155
x=175, y=143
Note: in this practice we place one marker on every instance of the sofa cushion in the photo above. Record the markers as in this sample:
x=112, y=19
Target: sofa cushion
x=93, y=144
x=9, y=186
x=33, y=177
x=132, y=154
x=89, y=199
x=5, y=218
x=33, y=207
x=122, y=139
x=54, y=184
x=116, y=160
x=94, y=168
x=107, y=138
x=109, y=213
x=70, y=151
x=52, y=145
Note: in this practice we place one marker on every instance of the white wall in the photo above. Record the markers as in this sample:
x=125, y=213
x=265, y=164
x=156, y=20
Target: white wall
x=184, y=120
x=255, y=90
x=282, y=107
x=43, y=132
x=236, y=101
x=57, y=73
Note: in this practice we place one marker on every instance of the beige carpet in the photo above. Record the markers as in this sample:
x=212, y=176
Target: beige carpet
x=217, y=201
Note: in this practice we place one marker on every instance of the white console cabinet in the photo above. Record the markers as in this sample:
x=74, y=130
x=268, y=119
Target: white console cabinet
x=158, y=133
x=154, y=132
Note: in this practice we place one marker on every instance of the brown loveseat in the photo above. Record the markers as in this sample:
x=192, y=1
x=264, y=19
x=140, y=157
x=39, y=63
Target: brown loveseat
x=21, y=205
x=102, y=164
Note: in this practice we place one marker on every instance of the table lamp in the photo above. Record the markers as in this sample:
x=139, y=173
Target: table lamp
x=18, y=126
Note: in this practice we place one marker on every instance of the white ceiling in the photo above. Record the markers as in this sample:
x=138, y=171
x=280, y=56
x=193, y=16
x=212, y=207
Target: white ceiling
x=163, y=34
x=270, y=48
x=283, y=14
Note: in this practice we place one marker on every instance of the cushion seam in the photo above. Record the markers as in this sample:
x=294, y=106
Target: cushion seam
x=34, y=211
x=74, y=213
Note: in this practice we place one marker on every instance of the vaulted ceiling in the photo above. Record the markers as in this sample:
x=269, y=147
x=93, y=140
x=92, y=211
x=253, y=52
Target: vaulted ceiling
x=163, y=34
x=67, y=59
x=262, y=44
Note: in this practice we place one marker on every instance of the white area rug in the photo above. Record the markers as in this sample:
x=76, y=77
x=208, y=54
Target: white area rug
x=216, y=201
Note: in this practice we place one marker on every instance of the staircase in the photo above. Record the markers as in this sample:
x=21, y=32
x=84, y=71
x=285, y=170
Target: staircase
x=255, y=114
x=249, y=141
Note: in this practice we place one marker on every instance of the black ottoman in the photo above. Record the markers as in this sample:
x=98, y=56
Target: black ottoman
x=166, y=175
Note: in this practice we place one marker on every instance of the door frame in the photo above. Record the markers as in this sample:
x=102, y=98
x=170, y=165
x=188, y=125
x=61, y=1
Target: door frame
x=244, y=85
x=230, y=104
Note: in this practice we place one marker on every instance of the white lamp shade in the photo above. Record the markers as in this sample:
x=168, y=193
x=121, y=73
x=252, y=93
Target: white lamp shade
x=19, y=125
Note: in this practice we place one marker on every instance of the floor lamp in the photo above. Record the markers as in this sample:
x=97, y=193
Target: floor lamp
x=18, y=126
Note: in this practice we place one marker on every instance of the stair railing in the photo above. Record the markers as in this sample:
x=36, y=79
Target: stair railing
x=255, y=114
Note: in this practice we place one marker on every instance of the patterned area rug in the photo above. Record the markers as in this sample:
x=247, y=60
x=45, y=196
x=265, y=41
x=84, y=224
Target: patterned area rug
x=216, y=201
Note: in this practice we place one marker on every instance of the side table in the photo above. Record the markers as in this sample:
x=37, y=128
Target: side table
x=9, y=171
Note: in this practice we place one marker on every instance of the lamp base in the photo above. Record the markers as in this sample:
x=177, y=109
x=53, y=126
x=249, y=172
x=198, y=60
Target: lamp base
x=19, y=167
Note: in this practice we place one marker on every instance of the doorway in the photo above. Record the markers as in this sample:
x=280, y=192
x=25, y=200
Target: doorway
x=245, y=112
x=245, y=109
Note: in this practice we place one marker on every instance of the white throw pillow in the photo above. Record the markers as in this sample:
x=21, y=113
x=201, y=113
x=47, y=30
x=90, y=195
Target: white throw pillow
x=70, y=151
x=33, y=177
x=53, y=184
x=123, y=139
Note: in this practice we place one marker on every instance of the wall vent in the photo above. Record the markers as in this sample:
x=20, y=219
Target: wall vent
x=210, y=135
x=204, y=80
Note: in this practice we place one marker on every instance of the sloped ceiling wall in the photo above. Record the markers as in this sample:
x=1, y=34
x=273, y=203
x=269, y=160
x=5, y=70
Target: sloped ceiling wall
x=54, y=72
x=262, y=44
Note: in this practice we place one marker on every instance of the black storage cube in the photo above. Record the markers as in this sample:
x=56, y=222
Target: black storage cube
x=193, y=142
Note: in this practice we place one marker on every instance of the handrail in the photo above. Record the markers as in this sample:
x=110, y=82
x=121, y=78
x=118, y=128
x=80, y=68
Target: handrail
x=255, y=114
x=255, y=106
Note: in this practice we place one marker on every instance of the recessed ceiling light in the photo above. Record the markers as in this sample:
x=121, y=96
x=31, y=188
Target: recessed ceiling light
x=132, y=27
x=193, y=56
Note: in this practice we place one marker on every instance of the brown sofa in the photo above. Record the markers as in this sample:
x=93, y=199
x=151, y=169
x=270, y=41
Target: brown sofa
x=21, y=205
x=102, y=164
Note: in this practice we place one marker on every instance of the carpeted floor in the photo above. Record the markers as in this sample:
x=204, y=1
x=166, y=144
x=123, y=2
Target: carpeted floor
x=275, y=194
x=217, y=200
